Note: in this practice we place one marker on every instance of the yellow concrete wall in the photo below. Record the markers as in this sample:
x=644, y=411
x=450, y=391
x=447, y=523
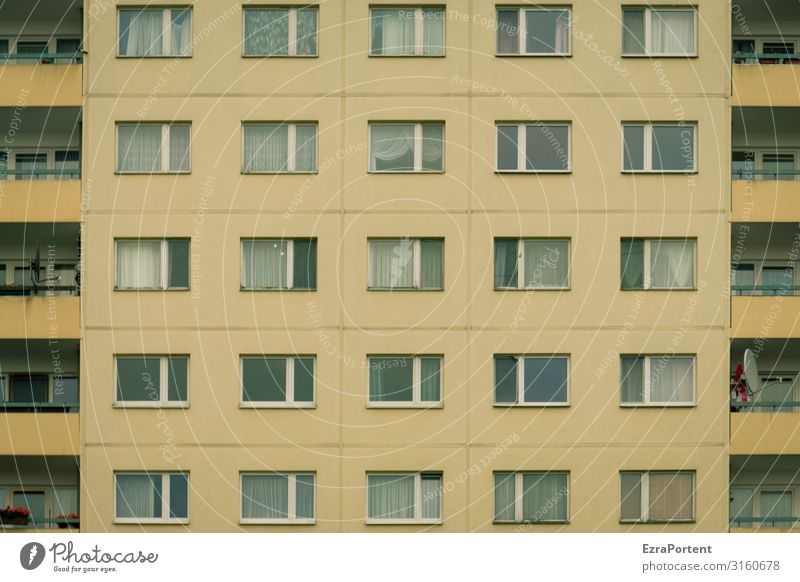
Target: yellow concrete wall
x=46, y=433
x=765, y=316
x=766, y=85
x=765, y=433
x=41, y=85
x=40, y=317
x=765, y=201
x=40, y=201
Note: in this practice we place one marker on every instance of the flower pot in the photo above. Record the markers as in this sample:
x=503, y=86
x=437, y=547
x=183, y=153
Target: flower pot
x=14, y=520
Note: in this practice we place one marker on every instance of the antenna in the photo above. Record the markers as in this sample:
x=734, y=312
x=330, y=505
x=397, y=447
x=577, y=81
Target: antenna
x=36, y=267
x=751, y=372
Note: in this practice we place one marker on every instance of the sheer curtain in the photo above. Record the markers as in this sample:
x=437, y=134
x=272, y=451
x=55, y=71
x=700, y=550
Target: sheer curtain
x=305, y=159
x=546, y=263
x=136, y=496
x=632, y=379
x=776, y=504
x=671, y=496
x=65, y=500
x=264, y=264
x=144, y=32
x=671, y=379
x=306, y=31
x=393, y=31
x=432, y=147
x=390, y=496
x=265, y=496
x=139, y=147
x=544, y=496
x=305, y=496
x=266, y=147
x=562, y=31
x=430, y=384
x=432, y=264
x=431, y=496
x=433, y=31
x=138, y=264
x=179, y=147
x=505, y=263
x=672, y=263
x=392, y=263
x=392, y=144
x=672, y=31
x=504, y=497
x=266, y=31
x=181, y=32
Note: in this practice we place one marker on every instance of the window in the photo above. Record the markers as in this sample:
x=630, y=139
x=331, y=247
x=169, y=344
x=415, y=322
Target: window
x=152, y=264
x=280, y=147
x=660, y=148
x=155, y=32
x=657, y=496
x=533, y=31
x=152, y=380
x=277, y=498
x=763, y=505
x=405, y=380
x=40, y=50
x=662, y=31
x=531, y=263
x=406, y=147
x=768, y=277
x=764, y=164
x=407, y=31
x=152, y=498
x=396, y=498
x=530, y=497
x=277, y=31
x=533, y=147
x=59, y=163
x=657, y=263
x=277, y=381
x=530, y=380
x=406, y=264
x=153, y=148
x=279, y=263
x=657, y=380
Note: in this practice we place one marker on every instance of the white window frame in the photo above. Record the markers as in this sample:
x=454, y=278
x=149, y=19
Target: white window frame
x=292, y=23
x=292, y=499
x=417, y=519
x=290, y=401
x=648, y=50
x=419, y=34
x=520, y=403
x=522, y=146
x=165, y=148
x=165, y=500
x=166, y=30
x=289, y=275
x=291, y=147
x=416, y=258
x=164, y=264
x=644, y=487
x=416, y=401
x=647, y=283
x=417, y=147
x=521, y=264
x=647, y=402
x=648, y=147
x=519, y=491
x=163, y=373
x=522, y=30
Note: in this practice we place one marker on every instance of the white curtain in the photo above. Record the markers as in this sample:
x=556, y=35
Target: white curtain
x=504, y=496
x=264, y=264
x=266, y=31
x=672, y=31
x=136, y=496
x=432, y=147
x=139, y=147
x=392, y=263
x=266, y=147
x=307, y=31
x=562, y=32
x=138, y=264
x=391, y=143
x=544, y=496
x=671, y=379
x=65, y=500
x=671, y=496
x=431, y=496
x=265, y=496
x=546, y=263
x=390, y=496
x=393, y=31
x=433, y=31
x=305, y=159
x=181, y=32
x=145, y=32
x=305, y=496
x=672, y=263
x=179, y=147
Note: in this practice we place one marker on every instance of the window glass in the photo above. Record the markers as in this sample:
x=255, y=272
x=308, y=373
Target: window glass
x=547, y=31
x=305, y=158
x=546, y=263
x=432, y=147
x=29, y=388
x=504, y=496
x=430, y=388
x=265, y=496
x=508, y=31
x=505, y=374
x=306, y=31
x=673, y=148
x=179, y=147
x=303, y=379
x=545, y=380
x=391, y=379
x=138, y=264
x=392, y=147
x=631, y=496
x=266, y=31
x=139, y=496
x=671, y=379
x=671, y=496
x=671, y=263
x=544, y=497
x=266, y=147
x=264, y=264
x=138, y=379
x=633, y=42
x=305, y=496
x=264, y=379
x=547, y=147
x=632, y=379
x=178, y=495
x=391, y=263
x=305, y=264
x=141, y=32
x=505, y=263
x=390, y=496
x=432, y=267
x=632, y=263
x=633, y=154
x=177, y=378
x=433, y=41
x=393, y=31
x=672, y=32
x=139, y=147
x=178, y=251
x=507, y=147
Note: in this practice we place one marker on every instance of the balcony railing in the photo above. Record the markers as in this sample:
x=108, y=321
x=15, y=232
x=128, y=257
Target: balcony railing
x=765, y=290
x=39, y=407
x=765, y=522
x=744, y=174
x=41, y=58
x=766, y=405
x=45, y=523
x=40, y=174
x=43, y=289
x=766, y=59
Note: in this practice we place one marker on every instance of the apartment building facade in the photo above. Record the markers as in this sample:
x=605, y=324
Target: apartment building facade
x=390, y=266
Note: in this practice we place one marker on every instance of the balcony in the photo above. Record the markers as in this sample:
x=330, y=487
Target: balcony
x=41, y=65
x=43, y=489
x=765, y=493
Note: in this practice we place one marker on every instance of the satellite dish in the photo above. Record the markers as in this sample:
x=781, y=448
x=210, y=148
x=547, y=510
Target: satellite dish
x=751, y=372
